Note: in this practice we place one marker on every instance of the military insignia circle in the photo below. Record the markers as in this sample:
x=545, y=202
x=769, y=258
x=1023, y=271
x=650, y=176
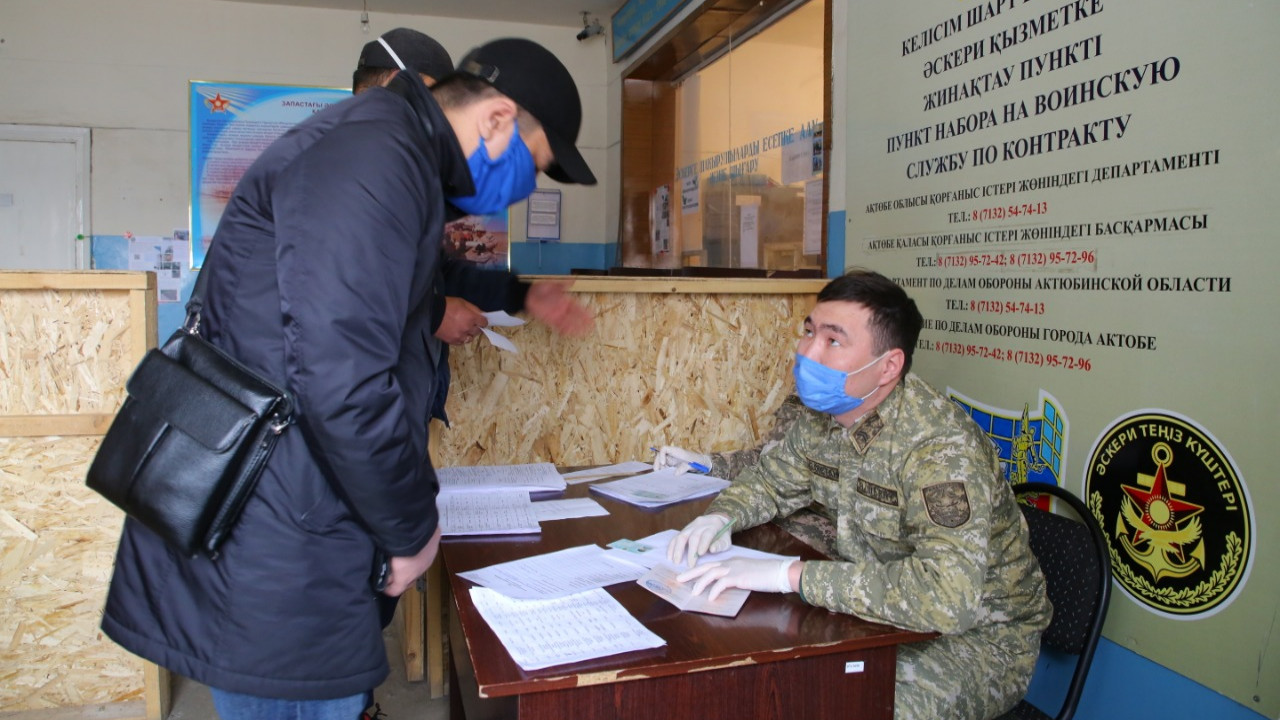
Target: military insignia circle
x=1175, y=513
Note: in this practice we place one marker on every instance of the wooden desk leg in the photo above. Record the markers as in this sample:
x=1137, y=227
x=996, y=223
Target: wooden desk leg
x=437, y=594
x=411, y=641
x=156, y=689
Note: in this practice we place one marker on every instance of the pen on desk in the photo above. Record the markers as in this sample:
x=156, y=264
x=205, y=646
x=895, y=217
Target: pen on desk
x=695, y=465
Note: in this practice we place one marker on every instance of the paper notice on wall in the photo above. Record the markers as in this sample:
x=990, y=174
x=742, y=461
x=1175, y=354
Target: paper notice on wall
x=166, y=257
x=660, y=220
x=689, y=195
x=749, y=240
x=797, y=162
x=544, y=216
x=813, y=217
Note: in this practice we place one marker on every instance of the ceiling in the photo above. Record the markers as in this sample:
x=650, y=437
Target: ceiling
x=536, y=12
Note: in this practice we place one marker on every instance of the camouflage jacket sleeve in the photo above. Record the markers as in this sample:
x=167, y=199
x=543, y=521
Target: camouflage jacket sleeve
x=776, y=486
x=729, y=465
x=919, y=565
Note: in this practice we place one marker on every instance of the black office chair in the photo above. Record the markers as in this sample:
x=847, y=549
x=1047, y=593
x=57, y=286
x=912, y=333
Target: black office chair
x=1077, y=570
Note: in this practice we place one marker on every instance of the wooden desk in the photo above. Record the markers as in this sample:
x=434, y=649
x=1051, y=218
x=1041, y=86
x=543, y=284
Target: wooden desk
x=778, y=658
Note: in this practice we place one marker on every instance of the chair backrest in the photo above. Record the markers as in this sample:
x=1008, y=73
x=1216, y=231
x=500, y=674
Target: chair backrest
x=1076, y=562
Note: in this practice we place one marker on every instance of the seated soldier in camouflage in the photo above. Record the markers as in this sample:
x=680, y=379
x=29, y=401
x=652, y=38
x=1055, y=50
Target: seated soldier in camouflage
x=811, y=525
x=929, y=536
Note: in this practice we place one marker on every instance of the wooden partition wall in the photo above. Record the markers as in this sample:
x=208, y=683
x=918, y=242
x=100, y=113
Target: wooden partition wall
x=699, y=363
x=68, y=341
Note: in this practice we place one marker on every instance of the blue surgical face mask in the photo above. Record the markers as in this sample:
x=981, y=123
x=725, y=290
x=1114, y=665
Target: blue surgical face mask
x=502, y=181
x=822, y=388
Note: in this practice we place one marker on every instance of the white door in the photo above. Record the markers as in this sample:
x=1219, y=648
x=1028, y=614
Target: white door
x=44, y=198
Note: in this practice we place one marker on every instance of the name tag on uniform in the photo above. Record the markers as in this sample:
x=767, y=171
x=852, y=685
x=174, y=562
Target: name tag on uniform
x=879, y=493
x=822, y=471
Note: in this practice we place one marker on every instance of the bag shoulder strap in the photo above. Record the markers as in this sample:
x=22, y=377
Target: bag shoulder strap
x=196, y=302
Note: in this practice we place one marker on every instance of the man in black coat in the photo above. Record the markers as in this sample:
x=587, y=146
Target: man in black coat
x=321, y=278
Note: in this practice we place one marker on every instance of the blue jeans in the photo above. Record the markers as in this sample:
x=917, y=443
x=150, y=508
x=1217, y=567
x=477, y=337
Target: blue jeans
x=234, y=706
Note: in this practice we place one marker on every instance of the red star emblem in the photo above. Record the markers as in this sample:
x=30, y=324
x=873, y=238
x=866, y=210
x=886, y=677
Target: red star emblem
x=1160, y=511
x=217, y=103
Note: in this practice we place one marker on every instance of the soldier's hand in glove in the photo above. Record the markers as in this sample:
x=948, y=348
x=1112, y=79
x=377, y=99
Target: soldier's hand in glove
x=705, y=534
x=764, y=575
x=682, y=460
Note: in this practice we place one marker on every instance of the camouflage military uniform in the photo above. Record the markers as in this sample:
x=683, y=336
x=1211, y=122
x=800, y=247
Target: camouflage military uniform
x=929, y=538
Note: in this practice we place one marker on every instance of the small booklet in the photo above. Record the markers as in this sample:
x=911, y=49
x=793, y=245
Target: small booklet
x=664, y=487
x=661, y=581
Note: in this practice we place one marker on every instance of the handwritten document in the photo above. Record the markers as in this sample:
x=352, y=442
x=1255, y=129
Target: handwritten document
x=500, y=512
x=582, y=626
x=555, y=574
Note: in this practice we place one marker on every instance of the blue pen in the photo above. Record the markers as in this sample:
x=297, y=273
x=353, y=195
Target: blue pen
x=696, y=466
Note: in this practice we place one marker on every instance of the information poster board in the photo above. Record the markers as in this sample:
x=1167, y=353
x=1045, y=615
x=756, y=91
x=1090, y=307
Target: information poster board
x=1081, y=196
x=230, y=125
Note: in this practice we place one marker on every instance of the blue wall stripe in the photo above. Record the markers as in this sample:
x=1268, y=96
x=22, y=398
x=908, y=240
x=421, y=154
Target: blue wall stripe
x=835, y=244
x=559, y=258
x=1123, y=684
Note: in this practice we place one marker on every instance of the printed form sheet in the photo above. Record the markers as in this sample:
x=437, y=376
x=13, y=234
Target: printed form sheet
x=542, y=633
x=555, y=574
x=499, y=512
x=531, y=477
x=663, y=487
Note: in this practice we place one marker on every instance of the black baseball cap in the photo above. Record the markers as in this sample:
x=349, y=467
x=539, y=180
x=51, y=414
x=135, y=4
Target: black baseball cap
x=529, y=74
x=418, y=51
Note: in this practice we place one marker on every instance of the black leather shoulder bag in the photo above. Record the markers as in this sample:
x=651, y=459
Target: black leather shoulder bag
x=187, y=447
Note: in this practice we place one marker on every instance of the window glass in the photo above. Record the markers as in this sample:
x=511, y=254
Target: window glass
x=748, y=154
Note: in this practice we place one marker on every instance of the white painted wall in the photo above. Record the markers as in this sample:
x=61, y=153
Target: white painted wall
x=121, y=68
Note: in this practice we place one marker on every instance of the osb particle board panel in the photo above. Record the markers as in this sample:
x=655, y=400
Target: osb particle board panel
x=64, y=352
x=57, y=544
x=700, y=371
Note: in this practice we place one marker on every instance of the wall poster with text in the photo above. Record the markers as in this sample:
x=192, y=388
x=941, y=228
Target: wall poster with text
x=1082, y=198
x=230, y=125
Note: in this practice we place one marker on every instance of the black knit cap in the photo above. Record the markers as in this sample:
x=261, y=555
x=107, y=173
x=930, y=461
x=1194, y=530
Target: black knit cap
x=529, y=74
x=418, y=51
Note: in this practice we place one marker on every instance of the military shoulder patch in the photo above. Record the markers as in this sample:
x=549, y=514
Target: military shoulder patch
x=879, y=493
x=947, y=503
x=867, y=431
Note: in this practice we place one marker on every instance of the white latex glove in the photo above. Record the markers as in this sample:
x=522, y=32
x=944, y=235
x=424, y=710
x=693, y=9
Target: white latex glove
x=764, y=575
x=699, y=537
x=681, y=459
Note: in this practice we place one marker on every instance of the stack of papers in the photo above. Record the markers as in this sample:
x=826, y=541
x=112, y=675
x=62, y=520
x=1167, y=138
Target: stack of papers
x=664, y=487
x=533, y=477
x=493, y=499
x=630, y=467
x=497, y=512
x=567, y=508
x=555, y=574
x=582, y=626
